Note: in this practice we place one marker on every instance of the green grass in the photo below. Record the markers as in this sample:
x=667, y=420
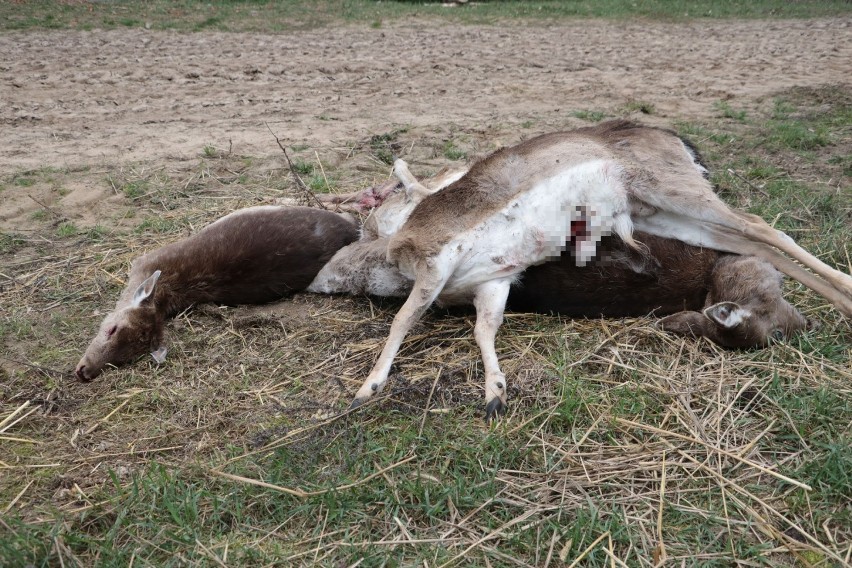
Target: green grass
x=590, y=115
x=452, y=152
x=259, y=15
x=123, y=470
x=66, y=229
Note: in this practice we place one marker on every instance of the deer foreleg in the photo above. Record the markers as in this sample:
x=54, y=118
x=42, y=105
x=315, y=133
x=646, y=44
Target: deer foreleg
x=425, y=290
x=490, y=301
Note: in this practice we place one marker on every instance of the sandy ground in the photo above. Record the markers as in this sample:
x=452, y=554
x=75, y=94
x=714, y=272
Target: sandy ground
x=81, y=98
x=105, y=99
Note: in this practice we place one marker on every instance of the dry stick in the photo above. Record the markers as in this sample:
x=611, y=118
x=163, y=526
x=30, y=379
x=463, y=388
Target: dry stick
x=428, y=400
x=33, y=409
x=300, y=185
x=14, y=413
x=18, y=496
x=105, y=418
x=661, y=544
x=48, y=208
x=299, y=492
x=748, y=183
x=36, y=367
x=588, y=549
x=715, y=449
x=490, y=535
x=23, y=440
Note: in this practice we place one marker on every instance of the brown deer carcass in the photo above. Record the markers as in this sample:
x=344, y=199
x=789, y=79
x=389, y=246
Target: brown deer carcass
x=735, y=301
x=524, y=205
x=250, y=256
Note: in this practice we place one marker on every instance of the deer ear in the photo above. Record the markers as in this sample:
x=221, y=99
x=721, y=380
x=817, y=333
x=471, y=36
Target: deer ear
x=144, y=291
x=159, y=354
x=726, y=314
x=686, y=323
x=414, y=190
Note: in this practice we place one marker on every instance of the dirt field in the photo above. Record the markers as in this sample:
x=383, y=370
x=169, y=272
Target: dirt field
x=74, y=99
x=116, y=141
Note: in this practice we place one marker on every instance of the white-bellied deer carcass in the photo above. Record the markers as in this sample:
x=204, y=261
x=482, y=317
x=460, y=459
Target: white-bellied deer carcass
x=250, y=256
x=524, y=205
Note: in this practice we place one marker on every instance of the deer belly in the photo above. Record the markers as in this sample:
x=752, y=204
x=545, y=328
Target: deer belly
x=574, y=208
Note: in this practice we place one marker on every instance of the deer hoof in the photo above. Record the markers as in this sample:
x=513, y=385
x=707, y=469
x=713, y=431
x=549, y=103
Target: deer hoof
x=357, y=402
x=494, y=409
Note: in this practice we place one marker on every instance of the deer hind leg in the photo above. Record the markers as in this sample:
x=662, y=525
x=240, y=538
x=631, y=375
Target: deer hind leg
x=762, y=231
x=427, y=286
x=490, y=301
x=716, y=236
x=696, y=202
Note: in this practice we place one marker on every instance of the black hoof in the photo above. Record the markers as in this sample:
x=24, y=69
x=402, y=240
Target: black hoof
x=494, y=410
x=357, y=402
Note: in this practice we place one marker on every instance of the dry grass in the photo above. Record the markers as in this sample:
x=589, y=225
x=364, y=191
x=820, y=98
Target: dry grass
x=622, y=445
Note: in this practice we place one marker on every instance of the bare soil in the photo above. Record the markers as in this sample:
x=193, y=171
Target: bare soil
x=73, y=98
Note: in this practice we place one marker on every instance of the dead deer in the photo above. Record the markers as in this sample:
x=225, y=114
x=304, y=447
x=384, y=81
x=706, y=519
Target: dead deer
x=735, y=302
x=250, y=256
x=524, y=205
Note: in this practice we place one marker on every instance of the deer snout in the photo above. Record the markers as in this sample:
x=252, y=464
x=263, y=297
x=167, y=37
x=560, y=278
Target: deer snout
x=85, y=372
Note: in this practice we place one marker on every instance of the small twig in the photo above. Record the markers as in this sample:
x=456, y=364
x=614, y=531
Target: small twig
x=588, y=549
x=428, y=400
x=36, y=367
x=18, y=496
x=299, y=492
x=300, y=185
x=748, y=183
x=47, y=207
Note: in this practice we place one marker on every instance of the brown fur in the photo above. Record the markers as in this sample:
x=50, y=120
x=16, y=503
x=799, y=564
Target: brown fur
x=249, y=257
x=663, y=277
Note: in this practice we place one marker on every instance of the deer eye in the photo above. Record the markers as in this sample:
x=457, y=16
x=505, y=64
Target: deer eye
x=778, y=335
x=111, y=331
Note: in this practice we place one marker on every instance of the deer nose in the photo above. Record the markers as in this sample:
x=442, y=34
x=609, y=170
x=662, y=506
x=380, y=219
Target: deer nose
x=81, y=373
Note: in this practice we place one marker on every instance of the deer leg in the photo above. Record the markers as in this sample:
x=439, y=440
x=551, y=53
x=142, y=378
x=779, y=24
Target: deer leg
x=426, y=289
x=707, y=207
x=721, y=237
x=490, y=301
x=760, y=230
x=413, y=187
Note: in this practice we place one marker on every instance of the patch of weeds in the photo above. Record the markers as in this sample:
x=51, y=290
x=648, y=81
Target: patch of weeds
x=320, y=183
x=208, y=23
x=728, y=112
x=845, y=163
x=39, y=215
x=589, y=115
x=299, y=147
x=135, y=189
x=96, y=233
x=453, y=152
x=157, y=225
x=210, y=151
x=16, y=327
x=376, y=24
x=23, y=181
x=303, y=168
x=10, y=242
x=527, y=124
x=796, y=135
x=640, y=106
x=67, y=229
x=384, y=146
